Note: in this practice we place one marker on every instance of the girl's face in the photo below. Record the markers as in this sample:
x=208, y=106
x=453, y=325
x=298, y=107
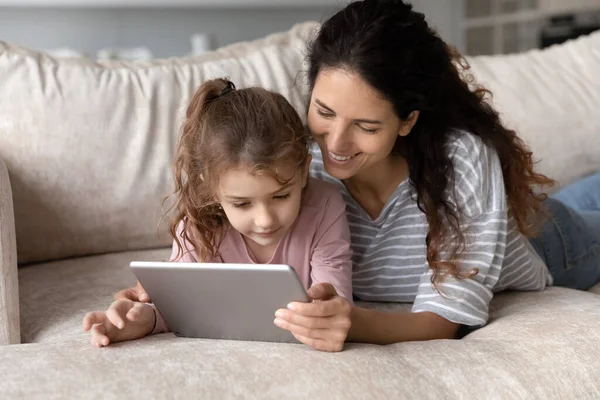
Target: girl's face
x=258, y=206
x=355, y=127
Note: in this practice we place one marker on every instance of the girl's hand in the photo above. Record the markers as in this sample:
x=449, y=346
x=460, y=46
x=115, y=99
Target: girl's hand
x=137, y=293
x=124, y=320
x=322, y=324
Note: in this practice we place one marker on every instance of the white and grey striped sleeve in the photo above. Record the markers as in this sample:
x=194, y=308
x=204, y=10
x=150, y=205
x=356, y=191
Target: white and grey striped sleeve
x=479, y=193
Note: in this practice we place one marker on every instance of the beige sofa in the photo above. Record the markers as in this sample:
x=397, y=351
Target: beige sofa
x=86, y=151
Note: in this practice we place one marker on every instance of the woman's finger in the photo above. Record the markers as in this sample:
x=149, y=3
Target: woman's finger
x=301, y=330
x=319, y=344
x=331, y=335
x=326, y=308
x=322, y=291
x=335, y=321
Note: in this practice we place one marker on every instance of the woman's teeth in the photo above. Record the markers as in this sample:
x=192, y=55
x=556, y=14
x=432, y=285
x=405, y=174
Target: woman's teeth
x=339, y=158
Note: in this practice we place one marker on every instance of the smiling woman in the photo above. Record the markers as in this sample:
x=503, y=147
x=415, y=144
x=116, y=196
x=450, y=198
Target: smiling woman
x=439, y=194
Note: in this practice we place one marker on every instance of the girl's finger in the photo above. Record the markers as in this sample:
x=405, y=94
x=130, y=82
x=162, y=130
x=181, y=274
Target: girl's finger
x=141, y=293
x=99, y=335
x=135, y=312
x=117, y=311
x=91, y=318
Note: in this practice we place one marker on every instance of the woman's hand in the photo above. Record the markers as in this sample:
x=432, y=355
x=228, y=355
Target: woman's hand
x=136, y=293
x=124, y=320
x=322, y=324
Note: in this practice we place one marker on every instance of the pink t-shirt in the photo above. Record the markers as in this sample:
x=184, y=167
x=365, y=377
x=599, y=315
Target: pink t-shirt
x=317, y=244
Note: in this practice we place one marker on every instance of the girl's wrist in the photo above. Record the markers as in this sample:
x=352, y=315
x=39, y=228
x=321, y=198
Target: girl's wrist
x=155, y=319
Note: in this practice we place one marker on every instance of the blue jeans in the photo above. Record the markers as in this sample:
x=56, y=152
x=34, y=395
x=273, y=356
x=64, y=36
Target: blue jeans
x=569, y=241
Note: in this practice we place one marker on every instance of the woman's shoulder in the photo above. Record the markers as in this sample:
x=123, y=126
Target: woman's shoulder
x=464, y=143
x=470, y=155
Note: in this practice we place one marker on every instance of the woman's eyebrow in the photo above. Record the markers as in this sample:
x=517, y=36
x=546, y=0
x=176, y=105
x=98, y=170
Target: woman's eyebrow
x=359, y=120
x=319, y=102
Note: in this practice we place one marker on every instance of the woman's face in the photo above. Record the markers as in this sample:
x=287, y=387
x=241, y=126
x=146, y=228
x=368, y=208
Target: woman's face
x=355, y=127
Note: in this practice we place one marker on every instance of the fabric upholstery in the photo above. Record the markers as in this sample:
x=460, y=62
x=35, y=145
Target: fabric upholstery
x=9, y=293
x=89, y=146
x=540, y=344
x=551, y=98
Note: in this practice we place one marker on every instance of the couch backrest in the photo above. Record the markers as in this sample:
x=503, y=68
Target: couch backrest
x=551, y=98
x=89, y=146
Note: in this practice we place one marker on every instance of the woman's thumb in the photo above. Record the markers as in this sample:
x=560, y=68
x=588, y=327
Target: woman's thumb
x=321, y=291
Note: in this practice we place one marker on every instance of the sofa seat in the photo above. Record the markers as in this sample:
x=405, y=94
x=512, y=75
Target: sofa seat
x=521, y=352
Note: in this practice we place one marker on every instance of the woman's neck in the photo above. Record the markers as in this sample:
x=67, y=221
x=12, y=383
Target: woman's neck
x=373, y=187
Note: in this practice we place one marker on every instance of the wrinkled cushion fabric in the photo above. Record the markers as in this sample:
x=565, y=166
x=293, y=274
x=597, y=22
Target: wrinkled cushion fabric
x=89, y=146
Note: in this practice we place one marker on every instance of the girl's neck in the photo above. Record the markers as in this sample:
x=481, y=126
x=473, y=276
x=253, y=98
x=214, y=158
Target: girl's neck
x=260, y=254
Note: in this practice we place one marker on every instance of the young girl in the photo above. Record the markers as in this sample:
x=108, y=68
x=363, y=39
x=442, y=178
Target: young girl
x=244, y=196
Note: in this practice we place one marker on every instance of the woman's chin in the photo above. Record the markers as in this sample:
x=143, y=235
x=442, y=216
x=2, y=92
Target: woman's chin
x=341, y=171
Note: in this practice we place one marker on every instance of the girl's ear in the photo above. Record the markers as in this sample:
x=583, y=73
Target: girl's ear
x=306, y=171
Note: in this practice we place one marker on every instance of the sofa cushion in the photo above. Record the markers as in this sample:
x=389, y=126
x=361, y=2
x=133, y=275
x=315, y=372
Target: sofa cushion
x=55, y=296
x=165, y=367
x=541, y=344
x=89, y=145
x=551, y=98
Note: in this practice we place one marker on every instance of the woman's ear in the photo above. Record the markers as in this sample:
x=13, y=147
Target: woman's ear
x=409, y=123
x=306, y=171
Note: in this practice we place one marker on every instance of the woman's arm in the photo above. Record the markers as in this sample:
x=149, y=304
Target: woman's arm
x=318, y=324
x=380, y=327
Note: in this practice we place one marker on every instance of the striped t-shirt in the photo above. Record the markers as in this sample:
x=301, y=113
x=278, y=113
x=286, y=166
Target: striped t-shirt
x=389, y=261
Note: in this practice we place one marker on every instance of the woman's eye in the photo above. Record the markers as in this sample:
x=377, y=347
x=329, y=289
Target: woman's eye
x=362, y=128
x=241, y=205
x=282, y=197
x=324, y=114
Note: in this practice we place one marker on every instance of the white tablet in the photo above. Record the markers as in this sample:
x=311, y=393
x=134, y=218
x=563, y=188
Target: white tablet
x=221, y=301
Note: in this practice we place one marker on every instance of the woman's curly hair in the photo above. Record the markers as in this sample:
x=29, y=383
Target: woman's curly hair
x=392, y=48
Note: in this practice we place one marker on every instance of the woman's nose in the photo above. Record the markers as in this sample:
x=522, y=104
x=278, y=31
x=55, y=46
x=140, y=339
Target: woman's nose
x=337, y=137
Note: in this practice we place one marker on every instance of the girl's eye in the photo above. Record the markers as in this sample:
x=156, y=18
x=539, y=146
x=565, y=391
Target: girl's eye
x=282, y=197
x=362, y=128
x=324, y=114
x=241, y=205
